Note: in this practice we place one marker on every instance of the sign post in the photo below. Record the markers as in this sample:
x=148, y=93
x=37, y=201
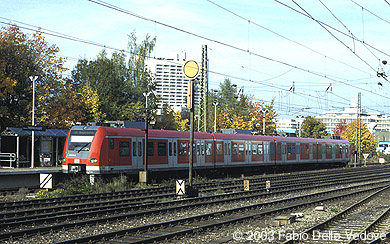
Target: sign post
x=365, y=158
x=191, y=71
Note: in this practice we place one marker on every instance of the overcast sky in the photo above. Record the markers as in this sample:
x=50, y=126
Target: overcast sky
x=310, y=60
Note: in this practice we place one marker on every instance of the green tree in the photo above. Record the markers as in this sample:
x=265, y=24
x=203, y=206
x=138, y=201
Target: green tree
x=22, y=56
x=313, y=128
x=167, y=119
x=368, y=142
x=116, y=85
x=104, y=81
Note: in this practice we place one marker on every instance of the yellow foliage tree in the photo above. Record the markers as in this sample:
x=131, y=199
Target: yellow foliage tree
x=368, y=142
x=90, y=98
x=180, y=123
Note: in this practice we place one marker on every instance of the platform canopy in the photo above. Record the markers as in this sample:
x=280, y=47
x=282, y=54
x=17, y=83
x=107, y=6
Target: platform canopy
x=21, y=132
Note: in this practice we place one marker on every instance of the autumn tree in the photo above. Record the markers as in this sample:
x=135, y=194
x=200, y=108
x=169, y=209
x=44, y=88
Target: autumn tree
x=313, y=128
x=22, y=56
x=237, y=110
x=368, y=142
x=181, y=123
x=115, y=84
x=340, y=128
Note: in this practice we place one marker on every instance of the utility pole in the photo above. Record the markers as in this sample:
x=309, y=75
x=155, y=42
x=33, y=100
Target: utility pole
x=143, y=176
x=33, y=79
x=358, y=130
x=203, y=90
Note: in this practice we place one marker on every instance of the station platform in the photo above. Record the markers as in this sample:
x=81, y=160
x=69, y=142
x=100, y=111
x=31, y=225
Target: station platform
x=13, y=178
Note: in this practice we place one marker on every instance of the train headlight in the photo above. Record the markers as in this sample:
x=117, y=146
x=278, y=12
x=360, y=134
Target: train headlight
x=93, y=160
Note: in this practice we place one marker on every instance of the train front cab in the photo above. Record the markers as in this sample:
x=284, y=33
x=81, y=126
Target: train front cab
x=77, y=151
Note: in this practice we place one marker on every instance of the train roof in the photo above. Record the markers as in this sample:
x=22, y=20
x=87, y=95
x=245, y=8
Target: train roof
x=113, y=131
x=223, y=136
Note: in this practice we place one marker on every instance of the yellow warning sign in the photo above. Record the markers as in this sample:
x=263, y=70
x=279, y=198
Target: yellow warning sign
x=191, y=69
x=246, y=185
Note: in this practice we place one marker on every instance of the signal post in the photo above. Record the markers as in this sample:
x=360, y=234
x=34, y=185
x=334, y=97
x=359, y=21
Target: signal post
x=191, y=71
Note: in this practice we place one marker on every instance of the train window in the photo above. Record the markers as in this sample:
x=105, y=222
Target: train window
x=272, y=148
x=229, y=148
x=150, y=148
x=124, y=148
x=234, y=149
x=134, y=148
x=246, y=149
x=174, y=149
x=346, y=149
x=226, y=151
x=341, y=149
x=289, y=149
x=111, y=143
x=293, y=149
x=254, y=149
x=333, y=148
x=260, y=148
x=202, y=148
x=162, y=148
x=278, y=149
x=241, y=149
x=198, y=148
x=182, y=149
x=209, y=149
x=170, y=148
x=219, y=148
x=283, y=149
x=139, y=148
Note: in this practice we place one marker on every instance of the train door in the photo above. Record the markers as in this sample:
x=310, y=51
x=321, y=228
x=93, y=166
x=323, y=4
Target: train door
x=137, y=153
x=311, y=152
x=284, y=152
x=266, y=158
x=248, y=152
x=172, y=153
x=200, y=152
x=227, y=152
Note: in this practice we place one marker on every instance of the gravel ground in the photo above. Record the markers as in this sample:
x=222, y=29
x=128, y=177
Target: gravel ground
x=259, y=225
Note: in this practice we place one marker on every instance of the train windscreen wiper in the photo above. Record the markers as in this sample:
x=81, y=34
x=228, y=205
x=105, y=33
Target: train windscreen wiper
x=83, y=147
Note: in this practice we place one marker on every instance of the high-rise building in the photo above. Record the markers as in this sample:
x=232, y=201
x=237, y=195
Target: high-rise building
x=171, y=83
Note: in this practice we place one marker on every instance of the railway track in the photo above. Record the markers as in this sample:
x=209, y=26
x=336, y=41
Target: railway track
x=24, y=226
x=362, y=222
x=196, y=224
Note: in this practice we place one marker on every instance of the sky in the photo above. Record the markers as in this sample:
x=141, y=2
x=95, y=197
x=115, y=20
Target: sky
x=308, y=56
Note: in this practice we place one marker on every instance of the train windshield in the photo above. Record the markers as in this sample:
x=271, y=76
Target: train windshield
x=80, y=140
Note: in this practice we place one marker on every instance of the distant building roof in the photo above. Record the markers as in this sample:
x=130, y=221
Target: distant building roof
x=21, y=132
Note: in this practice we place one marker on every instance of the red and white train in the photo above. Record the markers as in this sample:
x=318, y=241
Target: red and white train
x=105, y=150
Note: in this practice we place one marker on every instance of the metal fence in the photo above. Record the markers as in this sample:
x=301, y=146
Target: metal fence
x=7, y=160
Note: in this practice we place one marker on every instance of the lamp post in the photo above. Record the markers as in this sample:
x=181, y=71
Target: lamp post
x=300, y=123
x=33, y=79
x=264, y=111
x=215, y=104
x=144, y=175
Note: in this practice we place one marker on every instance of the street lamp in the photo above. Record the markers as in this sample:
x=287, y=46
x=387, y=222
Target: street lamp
x=215, y=104
x=144, y=175
x=264, y=111
x=300, y=123
x=33, y=79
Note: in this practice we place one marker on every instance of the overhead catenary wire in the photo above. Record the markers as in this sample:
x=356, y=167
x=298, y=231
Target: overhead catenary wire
x=105, y=46
x=286, y=38
x=338, y=39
